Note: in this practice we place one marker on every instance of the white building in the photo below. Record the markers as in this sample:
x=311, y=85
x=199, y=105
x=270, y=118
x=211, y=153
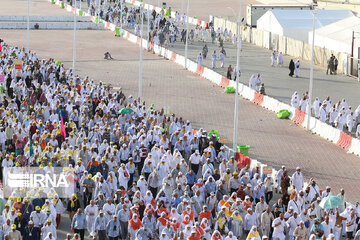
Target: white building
x=338, y=36
x=297, y=24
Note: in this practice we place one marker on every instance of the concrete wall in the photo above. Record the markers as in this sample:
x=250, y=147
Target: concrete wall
x=286, y=45
x=10, y=18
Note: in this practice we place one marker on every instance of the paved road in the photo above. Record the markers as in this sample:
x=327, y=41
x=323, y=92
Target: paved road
x=277, y=82
x=273, y=141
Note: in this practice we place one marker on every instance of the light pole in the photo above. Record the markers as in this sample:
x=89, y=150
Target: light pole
x=187, y=34
x=236, y=110
x=28, y=27
x=182, y=7
x=98, y=12
x=121, y=16
x=311, y=72
x=148, y=25
x=74, y=41
x=141, y=53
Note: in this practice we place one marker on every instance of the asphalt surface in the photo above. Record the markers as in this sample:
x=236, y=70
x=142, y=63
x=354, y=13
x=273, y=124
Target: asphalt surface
x=278, y=84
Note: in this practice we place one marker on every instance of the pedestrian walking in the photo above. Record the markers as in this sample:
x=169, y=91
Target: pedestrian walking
x=273, y=59
x=291, y=68
x=200, y=59
x=213, y=59
x=205, y=51
x=229, y=72
x=280, y=59
x=297, y=68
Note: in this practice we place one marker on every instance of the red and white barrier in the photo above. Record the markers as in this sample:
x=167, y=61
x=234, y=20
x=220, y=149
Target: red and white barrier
x=324, y=130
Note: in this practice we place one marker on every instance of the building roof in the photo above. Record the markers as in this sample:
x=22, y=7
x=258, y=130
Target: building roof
x=295, y=19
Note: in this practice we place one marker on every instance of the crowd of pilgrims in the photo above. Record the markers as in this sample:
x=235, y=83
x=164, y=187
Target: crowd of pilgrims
x=164, y=30
x=141, y=174
x=338, y=114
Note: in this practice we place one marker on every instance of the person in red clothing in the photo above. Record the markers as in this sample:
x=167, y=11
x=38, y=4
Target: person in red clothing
x=193, y=236
x=175, y=224
x=199, y=230
x=241, y=193
x=49, y=127
x=205, y=213
x=18, y=204
x=161, y=222
x=134, y=225
x=32, y=129
x=189, y=212
x=93, y=166
x=161, y=208
x=216, y=235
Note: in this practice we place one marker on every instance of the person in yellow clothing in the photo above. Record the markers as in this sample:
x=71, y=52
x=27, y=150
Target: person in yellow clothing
x=227, y=211
x=14, y=234
x=253, y=234
x=221, y=223
x=236, y=225
x=227, y=177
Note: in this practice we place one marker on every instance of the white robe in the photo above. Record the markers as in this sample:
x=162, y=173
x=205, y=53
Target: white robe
x=46, y=229
x=316, y=108
x=258, y=83
x=200, y=60
x=213, y=60
x=91, y=218
x=340, y=121
x=295, y=101
x=111, y=208
x=350, y=122
x=222, y=59
x=322, y=115
x=252, y=82
x=297, y=68
x=124, y=177
x=273, y=59
x=280, y=59
x=298, y=181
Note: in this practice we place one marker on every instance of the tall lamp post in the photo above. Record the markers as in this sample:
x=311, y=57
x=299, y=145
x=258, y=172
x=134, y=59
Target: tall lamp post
x=182, y=7
x=236, y=110
x=121, y=16
x=28, y=27
x=141, y=51
x=148, y=25
x=74, y=41
x=187, y=33
x=311, y=72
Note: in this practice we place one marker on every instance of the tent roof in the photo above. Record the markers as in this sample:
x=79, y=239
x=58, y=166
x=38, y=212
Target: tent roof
x=292, y=19
x=341, y=30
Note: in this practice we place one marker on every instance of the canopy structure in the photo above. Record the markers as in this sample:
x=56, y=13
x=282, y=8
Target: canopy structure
x=338, y=36
x=296, y=24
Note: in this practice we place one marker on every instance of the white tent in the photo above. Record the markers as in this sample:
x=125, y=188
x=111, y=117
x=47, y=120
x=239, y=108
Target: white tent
x=296, y=24
x=338, y=36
